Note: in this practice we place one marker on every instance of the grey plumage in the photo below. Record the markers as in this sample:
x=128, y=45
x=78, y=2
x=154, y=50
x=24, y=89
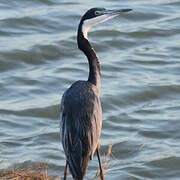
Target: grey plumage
x=81, y=122
x=81, y=113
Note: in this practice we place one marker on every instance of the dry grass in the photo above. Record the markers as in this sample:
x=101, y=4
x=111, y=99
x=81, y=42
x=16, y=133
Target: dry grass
x=106, y=162
x=35, y=172
x=39, y=171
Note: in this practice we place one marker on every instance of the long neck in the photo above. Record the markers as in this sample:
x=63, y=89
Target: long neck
x=94, y=67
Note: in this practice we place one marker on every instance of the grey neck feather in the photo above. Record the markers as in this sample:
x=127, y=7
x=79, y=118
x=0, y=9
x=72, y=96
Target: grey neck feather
x=94, y=67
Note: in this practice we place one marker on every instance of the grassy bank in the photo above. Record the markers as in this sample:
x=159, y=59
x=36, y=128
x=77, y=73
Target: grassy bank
x=35, y=172
x=39, y=171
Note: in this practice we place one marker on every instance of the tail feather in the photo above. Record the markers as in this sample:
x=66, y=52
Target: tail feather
x=78, y=161
x=78, y=169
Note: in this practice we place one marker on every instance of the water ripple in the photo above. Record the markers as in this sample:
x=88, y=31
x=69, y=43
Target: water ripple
x=140, y=94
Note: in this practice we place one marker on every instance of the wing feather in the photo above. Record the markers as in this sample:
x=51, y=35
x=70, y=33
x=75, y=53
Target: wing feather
x=81, y=121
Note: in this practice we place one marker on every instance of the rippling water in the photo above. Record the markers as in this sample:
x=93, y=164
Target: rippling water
x=140, y=63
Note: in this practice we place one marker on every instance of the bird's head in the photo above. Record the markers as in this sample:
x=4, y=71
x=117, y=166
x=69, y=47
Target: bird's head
x=96, y=16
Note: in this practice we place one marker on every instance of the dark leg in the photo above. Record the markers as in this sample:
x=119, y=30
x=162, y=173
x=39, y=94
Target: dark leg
x=66, y=171
x=100, y=166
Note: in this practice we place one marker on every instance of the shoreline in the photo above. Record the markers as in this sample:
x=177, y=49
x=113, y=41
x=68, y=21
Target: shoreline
x=39, y=171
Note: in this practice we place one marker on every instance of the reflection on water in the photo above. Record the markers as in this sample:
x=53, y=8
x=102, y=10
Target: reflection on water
x=140, y=61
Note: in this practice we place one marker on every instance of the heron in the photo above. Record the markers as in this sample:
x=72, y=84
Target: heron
x=81, y=112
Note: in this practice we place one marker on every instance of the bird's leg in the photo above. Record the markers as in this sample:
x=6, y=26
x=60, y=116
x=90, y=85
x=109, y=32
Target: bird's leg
x=66, y=170
x=100, y=166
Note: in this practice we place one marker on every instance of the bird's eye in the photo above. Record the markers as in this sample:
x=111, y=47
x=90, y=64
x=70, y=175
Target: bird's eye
x=97, y=13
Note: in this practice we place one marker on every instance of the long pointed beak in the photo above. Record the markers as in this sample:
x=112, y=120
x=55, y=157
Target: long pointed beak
x=116, y=12
x=104, y=16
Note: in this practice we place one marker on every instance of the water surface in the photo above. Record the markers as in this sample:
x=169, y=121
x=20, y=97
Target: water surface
x=140, y=61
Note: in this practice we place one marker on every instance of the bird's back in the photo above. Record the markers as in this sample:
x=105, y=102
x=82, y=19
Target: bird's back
x=81, y=122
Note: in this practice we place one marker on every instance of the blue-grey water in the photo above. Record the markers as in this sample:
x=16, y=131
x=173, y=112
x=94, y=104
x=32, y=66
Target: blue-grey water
x=140, y=93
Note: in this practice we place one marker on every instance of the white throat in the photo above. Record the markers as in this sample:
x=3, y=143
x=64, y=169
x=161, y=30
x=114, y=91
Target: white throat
x=87, y=24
